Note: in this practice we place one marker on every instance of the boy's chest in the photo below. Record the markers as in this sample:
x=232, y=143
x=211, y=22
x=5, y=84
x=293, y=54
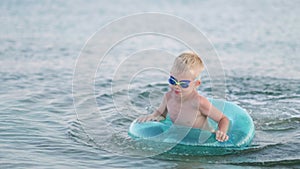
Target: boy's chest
x=185, y=110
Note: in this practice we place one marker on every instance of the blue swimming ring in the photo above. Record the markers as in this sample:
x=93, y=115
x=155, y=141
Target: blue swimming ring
x=196, y=141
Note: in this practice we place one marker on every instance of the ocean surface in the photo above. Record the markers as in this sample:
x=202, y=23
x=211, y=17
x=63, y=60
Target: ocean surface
x=49, y=120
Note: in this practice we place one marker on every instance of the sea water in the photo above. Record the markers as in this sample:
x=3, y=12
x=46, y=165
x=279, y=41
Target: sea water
x=258, y=47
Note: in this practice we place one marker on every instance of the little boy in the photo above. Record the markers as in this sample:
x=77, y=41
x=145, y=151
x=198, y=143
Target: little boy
x=184, y=104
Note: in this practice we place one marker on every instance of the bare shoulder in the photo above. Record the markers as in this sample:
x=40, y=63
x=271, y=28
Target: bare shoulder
x=202, y=100
x=167, y=95
x=204, y=103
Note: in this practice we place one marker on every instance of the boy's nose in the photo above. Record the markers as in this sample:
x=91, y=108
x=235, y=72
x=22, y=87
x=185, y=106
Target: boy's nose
x=177, y=87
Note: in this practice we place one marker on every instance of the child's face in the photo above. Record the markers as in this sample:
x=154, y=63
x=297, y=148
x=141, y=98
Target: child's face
x=183, y=84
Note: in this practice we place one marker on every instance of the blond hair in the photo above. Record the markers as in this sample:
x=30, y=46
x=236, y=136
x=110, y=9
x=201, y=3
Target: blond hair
x=188, y=62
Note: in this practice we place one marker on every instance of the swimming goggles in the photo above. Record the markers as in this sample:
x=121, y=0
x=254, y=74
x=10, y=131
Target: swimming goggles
x=183, y=83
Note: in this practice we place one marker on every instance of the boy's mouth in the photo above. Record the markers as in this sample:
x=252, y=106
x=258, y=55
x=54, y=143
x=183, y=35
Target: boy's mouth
x=177, y=91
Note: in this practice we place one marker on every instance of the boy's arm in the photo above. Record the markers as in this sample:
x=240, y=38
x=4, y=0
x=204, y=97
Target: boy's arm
x=207, y=109
x=158, y=114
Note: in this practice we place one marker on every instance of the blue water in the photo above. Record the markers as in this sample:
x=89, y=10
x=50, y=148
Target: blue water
x=258, y=47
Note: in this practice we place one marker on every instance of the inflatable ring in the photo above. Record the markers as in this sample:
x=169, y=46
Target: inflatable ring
x=195, y=141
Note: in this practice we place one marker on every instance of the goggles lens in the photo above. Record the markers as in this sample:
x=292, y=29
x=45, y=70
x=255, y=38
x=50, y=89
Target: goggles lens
x=183, y=83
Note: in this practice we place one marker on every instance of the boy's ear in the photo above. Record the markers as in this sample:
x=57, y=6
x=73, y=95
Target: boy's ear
x=197, y=83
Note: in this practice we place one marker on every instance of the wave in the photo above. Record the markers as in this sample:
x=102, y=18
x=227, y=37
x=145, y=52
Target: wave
x=78, y=134
x=270, y=163
x=279, y=124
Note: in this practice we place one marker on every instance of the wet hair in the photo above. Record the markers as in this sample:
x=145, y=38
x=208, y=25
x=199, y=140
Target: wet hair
x=188, y=62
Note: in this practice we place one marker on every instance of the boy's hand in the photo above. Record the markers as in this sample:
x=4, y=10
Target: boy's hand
x=221, y=136
x=150, y=118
